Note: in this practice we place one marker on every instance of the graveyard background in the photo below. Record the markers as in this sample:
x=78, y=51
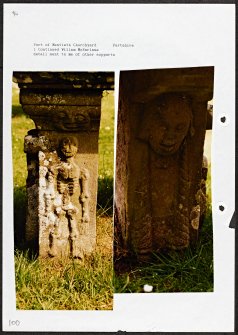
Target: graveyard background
x=64, y=285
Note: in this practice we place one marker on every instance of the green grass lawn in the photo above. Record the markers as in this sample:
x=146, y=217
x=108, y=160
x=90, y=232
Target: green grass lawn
x=65, y=284
x=187, y=271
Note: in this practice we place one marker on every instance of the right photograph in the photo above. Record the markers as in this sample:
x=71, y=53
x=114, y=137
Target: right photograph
x=163, y=236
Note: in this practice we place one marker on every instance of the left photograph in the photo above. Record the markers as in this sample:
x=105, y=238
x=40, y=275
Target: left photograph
x=62, y=147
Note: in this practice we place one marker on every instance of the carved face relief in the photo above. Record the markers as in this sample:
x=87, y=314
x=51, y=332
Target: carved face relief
x=65, y=120
x=170, y=123
x=69, y=146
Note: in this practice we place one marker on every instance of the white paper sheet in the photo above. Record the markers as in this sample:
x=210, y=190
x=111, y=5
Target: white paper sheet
x=163, y=36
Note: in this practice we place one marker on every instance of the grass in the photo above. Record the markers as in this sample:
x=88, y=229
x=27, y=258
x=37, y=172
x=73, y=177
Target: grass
x=65, y=284
x=20, y=125
x=106, y=151
x=190, y=270
x=187, y=271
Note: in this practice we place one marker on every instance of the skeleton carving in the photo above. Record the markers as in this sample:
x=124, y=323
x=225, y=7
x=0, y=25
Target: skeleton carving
x=69, y=175
x=64, y=197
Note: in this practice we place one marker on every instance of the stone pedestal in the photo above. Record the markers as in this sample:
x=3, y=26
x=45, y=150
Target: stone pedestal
x=160, y=169
x=62, y=159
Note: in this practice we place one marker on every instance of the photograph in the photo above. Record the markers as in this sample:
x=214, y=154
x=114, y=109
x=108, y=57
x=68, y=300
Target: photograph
x=118, y=167
x=62, y=144
x=163, y=235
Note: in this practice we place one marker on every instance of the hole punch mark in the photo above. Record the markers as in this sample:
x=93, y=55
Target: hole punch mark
x=222, y=208
x=223, y=119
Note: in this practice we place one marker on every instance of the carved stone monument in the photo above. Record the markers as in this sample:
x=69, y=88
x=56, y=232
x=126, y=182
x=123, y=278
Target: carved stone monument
x=160, y=170
x=62, y=159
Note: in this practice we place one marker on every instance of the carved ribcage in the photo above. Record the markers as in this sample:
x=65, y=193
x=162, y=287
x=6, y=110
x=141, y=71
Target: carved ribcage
x=73, y=185
x=61, y=186
x=70, y=184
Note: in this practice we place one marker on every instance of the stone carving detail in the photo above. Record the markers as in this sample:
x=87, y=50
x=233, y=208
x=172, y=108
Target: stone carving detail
x=72, y=121
x=199, y=210
x=63, y=200
x=34, y=143
x=62, y=159
x=161, y=173
x=63, y=118
x=162, y=213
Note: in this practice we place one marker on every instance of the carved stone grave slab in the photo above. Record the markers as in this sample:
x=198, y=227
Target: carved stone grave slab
x=160, y=168
x=62, y=159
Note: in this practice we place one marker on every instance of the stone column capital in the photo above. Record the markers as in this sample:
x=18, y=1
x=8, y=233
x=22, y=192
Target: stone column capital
x=63, y=101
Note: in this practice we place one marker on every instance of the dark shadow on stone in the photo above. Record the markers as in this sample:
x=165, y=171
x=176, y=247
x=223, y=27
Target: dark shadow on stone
x=19, y=217
x=20, y=242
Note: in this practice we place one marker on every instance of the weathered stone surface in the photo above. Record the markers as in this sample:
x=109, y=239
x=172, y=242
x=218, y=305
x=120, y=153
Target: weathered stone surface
x=160, y=175
x=63, y=201
x=62, y=161
x=73, y=119
x=59, y=98
x=65, y=80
